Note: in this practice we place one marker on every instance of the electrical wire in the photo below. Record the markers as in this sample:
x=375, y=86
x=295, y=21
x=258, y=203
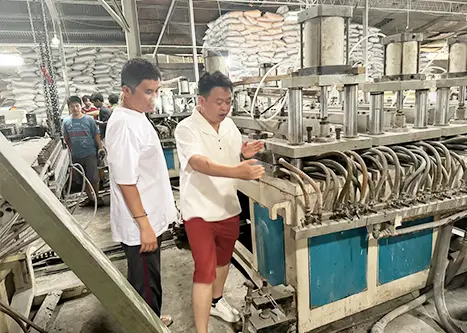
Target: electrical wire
x=21, y=317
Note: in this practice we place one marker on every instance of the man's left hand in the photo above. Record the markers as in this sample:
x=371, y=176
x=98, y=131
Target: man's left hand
x=250, y=149
x=101, y=154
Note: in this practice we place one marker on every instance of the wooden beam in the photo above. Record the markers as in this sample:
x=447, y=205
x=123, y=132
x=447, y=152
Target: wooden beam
x=43, y=316
x=24, y=190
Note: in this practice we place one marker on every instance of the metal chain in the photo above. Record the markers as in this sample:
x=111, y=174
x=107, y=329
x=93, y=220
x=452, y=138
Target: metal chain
x=38, y=20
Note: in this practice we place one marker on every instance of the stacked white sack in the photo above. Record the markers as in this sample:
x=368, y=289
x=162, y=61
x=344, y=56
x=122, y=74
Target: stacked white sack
x=252, y=39
x=89, y=70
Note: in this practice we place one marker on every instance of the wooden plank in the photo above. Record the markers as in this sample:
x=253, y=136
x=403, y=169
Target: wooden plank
x=25, y=285
x=25, y=191
x=43, y=316
x=68, y=293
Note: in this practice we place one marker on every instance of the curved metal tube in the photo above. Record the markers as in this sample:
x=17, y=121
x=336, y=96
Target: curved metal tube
x=345, y=192
x=327, y=175
x=398, y=175
x=439, y=170
x=364, y=174
x=439, y=280
x=308, y=179
x=306, y=195
x=447, y=155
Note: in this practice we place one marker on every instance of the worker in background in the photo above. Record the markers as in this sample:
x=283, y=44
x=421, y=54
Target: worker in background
x=142, y=203
x=113, y=101
x=104, y=113
x=82, y=137
x=211, y=151
x=88, y=107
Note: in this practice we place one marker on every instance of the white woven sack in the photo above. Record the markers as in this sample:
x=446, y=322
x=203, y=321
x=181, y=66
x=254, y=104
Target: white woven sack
x=252, y=13
x=84, y=58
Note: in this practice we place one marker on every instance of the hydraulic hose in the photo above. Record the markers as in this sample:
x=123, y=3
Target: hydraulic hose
x=397, y=165
x=306, y=196
x=308, y=179
x=364, y=174
x=439, y=169
x=327, y=182
x=439, y=280
x=454, y=266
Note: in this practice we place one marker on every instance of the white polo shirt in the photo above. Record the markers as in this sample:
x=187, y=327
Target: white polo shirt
x=210, y=198
x=135, y=156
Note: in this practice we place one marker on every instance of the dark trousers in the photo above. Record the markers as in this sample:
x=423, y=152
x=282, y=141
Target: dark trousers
x=144, y=274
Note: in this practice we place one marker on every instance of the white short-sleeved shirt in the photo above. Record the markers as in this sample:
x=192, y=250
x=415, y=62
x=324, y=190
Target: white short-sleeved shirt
x=210, y=198
x=135, y=156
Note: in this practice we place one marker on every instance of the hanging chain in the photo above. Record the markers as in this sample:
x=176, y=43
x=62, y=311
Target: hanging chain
x=38, y=20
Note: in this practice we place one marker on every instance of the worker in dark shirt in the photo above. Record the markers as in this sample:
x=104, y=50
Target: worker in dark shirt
x=82, y=137
x=104, y=113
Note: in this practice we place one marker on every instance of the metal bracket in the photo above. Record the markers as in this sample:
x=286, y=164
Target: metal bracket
x=324, y=11
x=404, y=37
x=286, y=205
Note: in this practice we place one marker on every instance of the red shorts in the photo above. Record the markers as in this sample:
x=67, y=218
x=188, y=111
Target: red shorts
x=212, y=245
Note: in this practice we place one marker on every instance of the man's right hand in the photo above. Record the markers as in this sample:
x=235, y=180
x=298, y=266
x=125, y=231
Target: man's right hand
x=249, y=170
x=148, y=239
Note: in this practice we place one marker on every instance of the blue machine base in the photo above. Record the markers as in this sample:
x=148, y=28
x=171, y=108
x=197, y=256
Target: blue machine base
x=270, y=247
x=169, y=158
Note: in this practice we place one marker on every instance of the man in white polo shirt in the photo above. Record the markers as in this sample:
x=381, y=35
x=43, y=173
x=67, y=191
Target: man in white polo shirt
x=210, y=149
x=142, y=205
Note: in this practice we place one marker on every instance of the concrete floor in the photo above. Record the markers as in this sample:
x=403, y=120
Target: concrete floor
x=87, y=315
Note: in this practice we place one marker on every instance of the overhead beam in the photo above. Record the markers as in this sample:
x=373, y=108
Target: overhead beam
x=120, y=20
x=166, y=22
x=21, y=186
x=132, y=35
x=428, y=25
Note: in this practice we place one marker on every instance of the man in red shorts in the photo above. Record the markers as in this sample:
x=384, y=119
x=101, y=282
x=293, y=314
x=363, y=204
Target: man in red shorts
x=210, y=151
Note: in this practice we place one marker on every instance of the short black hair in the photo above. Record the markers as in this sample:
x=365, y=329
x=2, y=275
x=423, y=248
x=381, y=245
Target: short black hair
x=97, y=97
x=113, y=98
x=209, y=81
x=74, y=99
x=136, y=71
x=85, y=97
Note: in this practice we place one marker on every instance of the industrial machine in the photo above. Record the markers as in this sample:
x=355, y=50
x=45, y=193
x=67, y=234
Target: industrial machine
x=349, y=213
x=176, y=105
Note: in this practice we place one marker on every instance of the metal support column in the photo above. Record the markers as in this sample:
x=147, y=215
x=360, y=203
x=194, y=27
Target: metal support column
x=22, y=187
x=193, y=39
x=376, y=113
x=295, y=119
x=421, y=109
x=324, y=102
x=442, y=107
x=460, y=112
x=350, y=110
x=365, y=44
x=133, y=40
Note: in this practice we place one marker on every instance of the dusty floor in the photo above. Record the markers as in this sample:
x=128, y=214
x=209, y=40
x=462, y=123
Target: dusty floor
x=87, y=315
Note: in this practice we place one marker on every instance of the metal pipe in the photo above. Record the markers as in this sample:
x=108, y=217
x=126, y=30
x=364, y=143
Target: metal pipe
x=450, y=219
x=400, y=101
x=295, y=116
x=461, y=96
x=166, y=22
x=442, y=107
x=306, y=195
x=376, y=114
x=193, y=39
x=421, y=108
x=439, y=280
x=309, y=180
x=324, y=102
x=350, y=110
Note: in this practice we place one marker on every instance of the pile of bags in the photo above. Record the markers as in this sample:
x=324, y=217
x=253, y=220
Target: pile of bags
x=89, y=70
x=253, y=38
